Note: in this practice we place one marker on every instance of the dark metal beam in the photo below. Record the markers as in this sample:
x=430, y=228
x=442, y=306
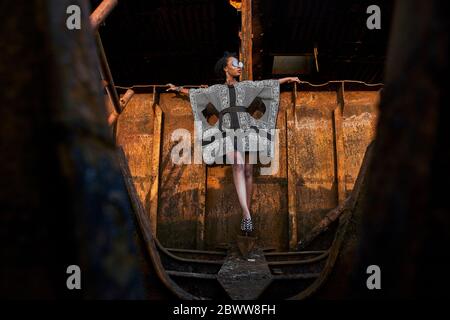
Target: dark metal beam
x=106, y=75
x=96, y=18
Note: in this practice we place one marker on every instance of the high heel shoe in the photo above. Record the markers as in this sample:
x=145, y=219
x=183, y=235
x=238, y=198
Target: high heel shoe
x=246, y=225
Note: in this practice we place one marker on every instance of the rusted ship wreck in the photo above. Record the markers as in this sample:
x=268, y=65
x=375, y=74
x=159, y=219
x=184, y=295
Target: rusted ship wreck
x=301, y=213
x=307, y=216
x=188, y=214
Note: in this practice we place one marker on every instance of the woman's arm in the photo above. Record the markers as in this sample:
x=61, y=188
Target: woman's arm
x=180, y=89
x=289, y=80
x=177, y=89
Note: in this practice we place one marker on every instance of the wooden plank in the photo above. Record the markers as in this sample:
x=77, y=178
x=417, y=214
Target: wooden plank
x=291, y=175
x=154, y=189
x=339, y=145
x=246, y=40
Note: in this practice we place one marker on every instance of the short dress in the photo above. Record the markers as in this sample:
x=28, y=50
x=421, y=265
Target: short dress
x=232, y=104
x=234, y=121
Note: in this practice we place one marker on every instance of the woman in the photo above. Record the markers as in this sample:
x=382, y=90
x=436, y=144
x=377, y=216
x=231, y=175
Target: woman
x=233, y=104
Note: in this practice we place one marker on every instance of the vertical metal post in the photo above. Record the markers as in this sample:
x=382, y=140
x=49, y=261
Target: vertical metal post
x=246, y=39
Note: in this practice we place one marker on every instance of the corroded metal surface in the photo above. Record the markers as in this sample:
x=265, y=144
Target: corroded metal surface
x=246, y=40
x=199, y=204
x=135, y=136
x=245, y=245
x=329, y=122
x=358, y=126
x=315, y=163
x=245, y=279
x=182, y=186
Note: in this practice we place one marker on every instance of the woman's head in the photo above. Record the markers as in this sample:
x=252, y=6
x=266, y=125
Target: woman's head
x=228, y=64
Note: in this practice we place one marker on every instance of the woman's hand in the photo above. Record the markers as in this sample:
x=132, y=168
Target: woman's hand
x=289, y=80
x=171, y=87
x=293, y=79
x=177, y=89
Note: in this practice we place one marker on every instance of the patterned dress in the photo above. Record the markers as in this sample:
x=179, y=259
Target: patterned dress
x=236, y=129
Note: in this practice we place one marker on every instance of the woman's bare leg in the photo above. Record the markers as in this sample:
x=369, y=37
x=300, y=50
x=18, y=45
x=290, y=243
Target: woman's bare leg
x=249, y=183
x=238, y=167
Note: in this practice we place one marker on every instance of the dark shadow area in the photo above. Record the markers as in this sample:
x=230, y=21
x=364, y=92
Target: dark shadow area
x=211, y=114
x=257, y=108
x=179, y=41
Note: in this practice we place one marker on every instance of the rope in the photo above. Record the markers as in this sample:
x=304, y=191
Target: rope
x=343, y=81
x=153, y=85
x=301, y=82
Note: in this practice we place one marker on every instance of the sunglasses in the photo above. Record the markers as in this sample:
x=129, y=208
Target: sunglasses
x=237, y=64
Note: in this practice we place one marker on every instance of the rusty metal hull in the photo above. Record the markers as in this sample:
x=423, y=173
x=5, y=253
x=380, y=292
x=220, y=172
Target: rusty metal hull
x=328, y=132
x=196, y=274
x=193, y=208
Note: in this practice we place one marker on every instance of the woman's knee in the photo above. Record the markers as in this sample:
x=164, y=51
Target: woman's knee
x=248, y=170
x=235, y=158
x=239, y=167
